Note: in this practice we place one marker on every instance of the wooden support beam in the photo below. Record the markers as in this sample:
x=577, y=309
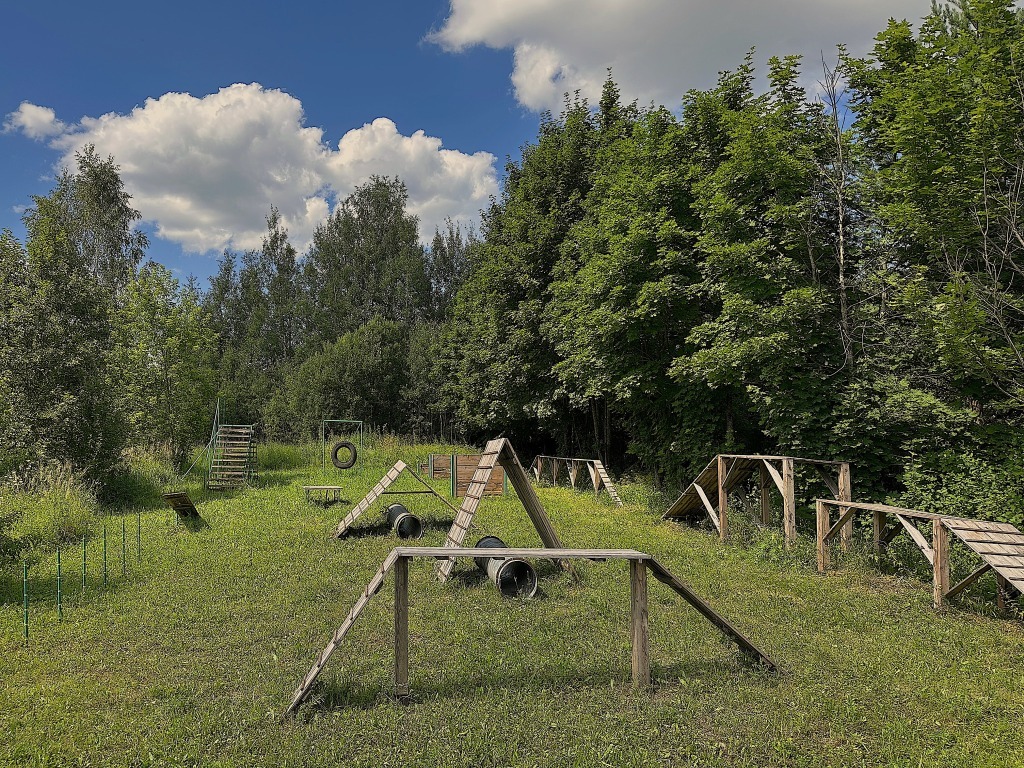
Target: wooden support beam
x=845, y=494
x=918, y=538
x=402, y=628
x=723, y=500
x=766, y=495
x=1000, y=592
x=573, y=472
x=978, y=573
x=776, y=477
x=940, y=563
x=823, y=520
x=833, y=487
x=708, y=506
x=788, y=502
x=638, y=625
x=844, y=518
x=878, y=523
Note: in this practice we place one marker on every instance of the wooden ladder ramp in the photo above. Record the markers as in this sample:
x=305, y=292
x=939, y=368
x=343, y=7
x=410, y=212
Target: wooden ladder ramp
x=639, y=562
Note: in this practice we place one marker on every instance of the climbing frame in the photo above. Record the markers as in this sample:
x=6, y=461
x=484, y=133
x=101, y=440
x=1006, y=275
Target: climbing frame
x=639, y=565
x=497, y=452
x=709, y=492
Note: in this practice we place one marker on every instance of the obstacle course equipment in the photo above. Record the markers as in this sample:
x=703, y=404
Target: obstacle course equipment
x=514, y=577
x=403, y=522
x=331, y=493
x=498, y=452
x=343, y=445
x=182, y=505
x=727, y=471
x=381, y=489
x=233, y=462
x=598, y=474
x=458, y=470
x=999, y=545
x=639, y=565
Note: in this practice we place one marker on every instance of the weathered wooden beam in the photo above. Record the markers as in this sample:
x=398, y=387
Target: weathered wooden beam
x=788, y=502
x=940, y=563
x=840, y=524
x=918, y=538
x=833, y=487
x=776, y=477
x=638, y=624
x=708, y=506
x=723, y=500
x=822, y=516
x=977, y=574
x=402, y=628
x=845, y=493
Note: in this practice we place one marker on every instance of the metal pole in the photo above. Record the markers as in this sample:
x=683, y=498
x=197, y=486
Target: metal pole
x=104, y=554
x=139, y=538
x=124, y=549
x=24, y=595
x=84, y=538
x=60, y=608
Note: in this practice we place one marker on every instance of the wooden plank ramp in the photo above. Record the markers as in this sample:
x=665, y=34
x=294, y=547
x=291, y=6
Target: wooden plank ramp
x=603, y=474
x=470, y=502
x=371, y=497
x=321, y=661
x=691, y=502
x=999, y=545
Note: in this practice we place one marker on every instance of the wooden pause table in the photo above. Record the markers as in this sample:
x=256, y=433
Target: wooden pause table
x=639, y=564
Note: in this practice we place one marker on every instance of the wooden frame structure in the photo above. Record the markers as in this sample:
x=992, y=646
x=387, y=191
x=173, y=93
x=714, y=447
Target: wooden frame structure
x=598, y=474
x=727, y=471
x=999, y=545
x=381, y=489
x=639, y=565
x=497, y=452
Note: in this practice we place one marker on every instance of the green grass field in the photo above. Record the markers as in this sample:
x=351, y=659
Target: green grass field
x=190, y=658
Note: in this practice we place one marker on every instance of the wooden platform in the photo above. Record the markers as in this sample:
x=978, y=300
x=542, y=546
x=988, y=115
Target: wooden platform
x=1000, y=546
x=639, y=565
x=439, y=467
x=709, y=493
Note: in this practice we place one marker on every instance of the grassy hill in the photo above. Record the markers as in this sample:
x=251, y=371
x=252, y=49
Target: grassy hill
x=189, y=659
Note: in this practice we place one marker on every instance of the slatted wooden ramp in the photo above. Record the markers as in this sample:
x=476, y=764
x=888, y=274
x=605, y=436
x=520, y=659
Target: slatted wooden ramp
x=639, y=563
x=607, y=481
x=380, y=489
x=999, y=545
x=497, y=452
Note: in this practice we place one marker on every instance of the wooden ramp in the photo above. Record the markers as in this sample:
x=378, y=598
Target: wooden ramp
x=497, y=452
x=639, y=564
x=180, y=502
x=380, y=489
x=606, y=481
x=999, y=545
x=709, y=493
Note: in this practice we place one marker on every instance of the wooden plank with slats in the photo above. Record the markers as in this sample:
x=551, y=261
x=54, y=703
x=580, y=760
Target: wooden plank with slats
x=371, y=497
x=606, y=479
x=470, y=503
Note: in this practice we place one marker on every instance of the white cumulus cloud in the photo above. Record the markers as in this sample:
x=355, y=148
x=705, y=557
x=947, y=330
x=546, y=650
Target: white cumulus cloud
x=657, y=49
x=34, y=121
x=205, y=170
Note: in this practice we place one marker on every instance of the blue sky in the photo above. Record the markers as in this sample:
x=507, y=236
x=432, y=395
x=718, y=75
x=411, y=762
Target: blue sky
x=217, y=110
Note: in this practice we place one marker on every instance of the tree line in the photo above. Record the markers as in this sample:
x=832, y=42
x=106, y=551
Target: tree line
x=833, y=274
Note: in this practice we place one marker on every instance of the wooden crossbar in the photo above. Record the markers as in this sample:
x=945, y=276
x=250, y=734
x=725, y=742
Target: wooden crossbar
x=640, y=563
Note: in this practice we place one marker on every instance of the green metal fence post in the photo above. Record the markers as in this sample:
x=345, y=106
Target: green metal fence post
x=138, y=542
x=124, y=550
x=84, y=539
x=24, y=597
x=60, y=608
x=104, y=554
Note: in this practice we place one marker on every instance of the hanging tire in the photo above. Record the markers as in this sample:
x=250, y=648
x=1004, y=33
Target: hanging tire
x=348, y=463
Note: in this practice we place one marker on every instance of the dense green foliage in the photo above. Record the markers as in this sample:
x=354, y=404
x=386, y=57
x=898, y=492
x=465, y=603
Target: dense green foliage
x=833, y=274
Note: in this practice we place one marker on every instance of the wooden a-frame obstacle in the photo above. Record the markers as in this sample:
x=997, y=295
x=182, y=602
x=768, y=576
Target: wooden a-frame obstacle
x=639, y=564
x=999, y=545
x=727, y=471
x=381, y=489
x=598, y=474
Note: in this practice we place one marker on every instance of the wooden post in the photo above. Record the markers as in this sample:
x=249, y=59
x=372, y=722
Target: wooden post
x=638, y=634
x=845, y=494
x=940, y=562
x=1000, y=593
x=824, y=523
x=788, y=502
x=766, y=495
x=878, y=522
x=402, y=628
x=723, y=501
